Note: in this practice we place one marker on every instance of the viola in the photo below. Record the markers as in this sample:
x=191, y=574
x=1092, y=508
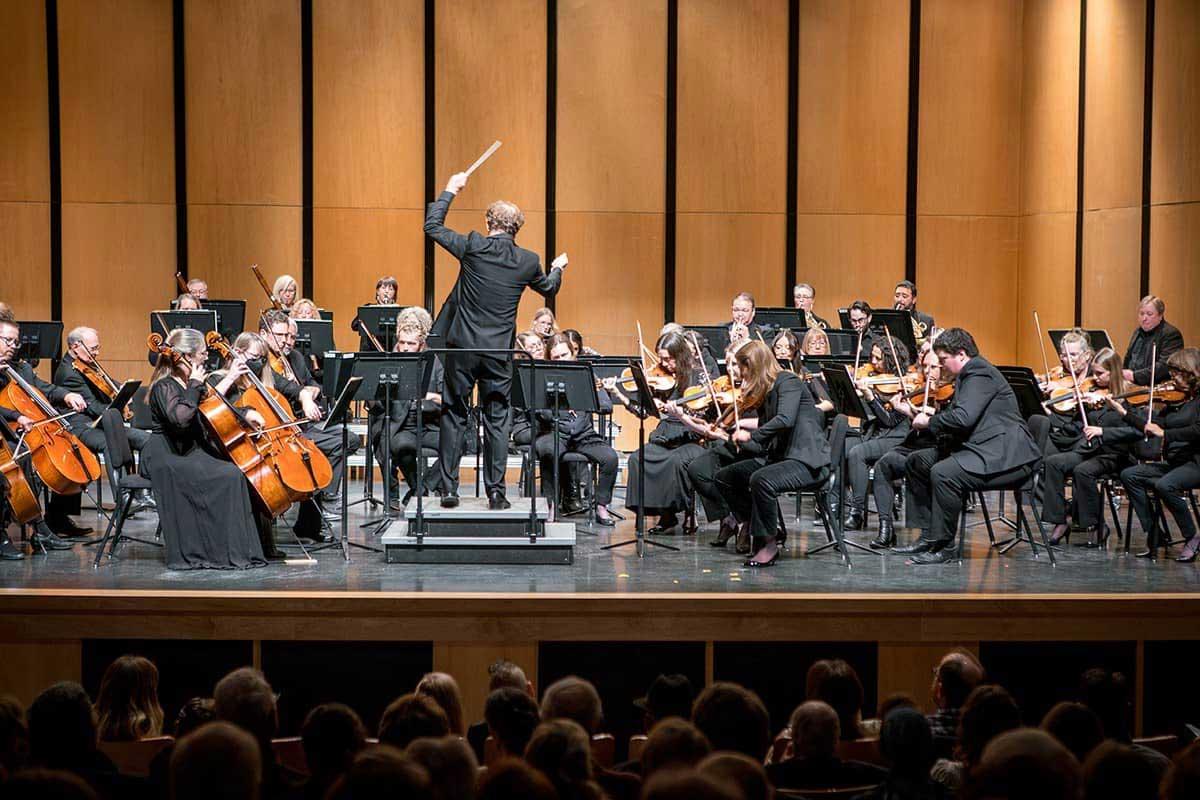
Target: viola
x=1063, y=399
x=62, y=462
x=21, y=497
x=939, y=393
x=658, y=379
x=1167, y=392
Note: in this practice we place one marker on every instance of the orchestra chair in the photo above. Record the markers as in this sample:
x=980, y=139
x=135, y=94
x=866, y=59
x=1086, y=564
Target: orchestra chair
x=289, y=751
x=1167, y=745
x=1160, y=516
x=834, y=530
x=1018, y=490
x=604, y=750
x=133, y=758
x=866, y=750
x=637, y=745
x=824, y=794
x=128, y=481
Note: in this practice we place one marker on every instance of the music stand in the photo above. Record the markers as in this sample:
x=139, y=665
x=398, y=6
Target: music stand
x=120, y=400
x=842, y=342
x=715, y=336
x=231, y=316
x=780, y=317
x=1098, y=337
x=339, y=415
x=645, y=408
x=40, y=340
x=325, y=314
x=314, y=337
x=381, y=321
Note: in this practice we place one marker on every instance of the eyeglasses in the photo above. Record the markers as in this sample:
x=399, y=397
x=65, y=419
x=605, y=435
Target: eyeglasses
x=10, y=341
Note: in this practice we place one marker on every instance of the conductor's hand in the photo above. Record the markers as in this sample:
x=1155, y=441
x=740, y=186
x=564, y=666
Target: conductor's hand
x=560, y=262
x=457, y=182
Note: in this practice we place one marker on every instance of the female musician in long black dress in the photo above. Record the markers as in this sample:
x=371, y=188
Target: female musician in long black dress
x=791, y=451
x=670, y=448
x=203, y=501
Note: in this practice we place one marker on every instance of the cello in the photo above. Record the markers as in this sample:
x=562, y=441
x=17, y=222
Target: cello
x=21, y=497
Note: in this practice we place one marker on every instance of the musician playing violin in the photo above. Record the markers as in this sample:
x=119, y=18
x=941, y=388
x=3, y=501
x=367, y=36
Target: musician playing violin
x=886, y=429
x=16, y=423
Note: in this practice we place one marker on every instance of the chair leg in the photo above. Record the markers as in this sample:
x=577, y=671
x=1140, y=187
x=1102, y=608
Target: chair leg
x=987, y=518
x=1029, y=530
x=116, y=523
x=962, y=531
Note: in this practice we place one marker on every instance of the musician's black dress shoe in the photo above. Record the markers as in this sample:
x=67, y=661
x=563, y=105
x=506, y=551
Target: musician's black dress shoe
x=10, y=552
x=450, y=501
x=496, y=501
x=604, y=522
x=65, y=526
x=943, y=556
x=50, y=541
x=317, y=537
x=856, y=520
x=919, y=546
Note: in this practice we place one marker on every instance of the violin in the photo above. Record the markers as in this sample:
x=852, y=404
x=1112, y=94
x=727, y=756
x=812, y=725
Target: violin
x=1063, y=400
x=59, y=458
x=1166, y=392
x=658, y=379
x=698, y=398
x=21, y=497
x=940, y=393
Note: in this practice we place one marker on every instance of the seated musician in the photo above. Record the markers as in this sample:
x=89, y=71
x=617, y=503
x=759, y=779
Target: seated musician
x=860, y=321
x=991, y=447
x=578, y=348
x=785, y=346
x=1152, y=330
x=386, y=290
x=208, y=519
x=885, y=431
x=1176, y=469
x=700, y=346
x=803, y=297
x=197, y=288
x=83, y=349
x=403, y=448
x=285, y=291
x=788, y=450
x=671, y=447
x=186, y=302
x=544, y=325
x=742, y=325
x=16, y=423
x=305, y=309
x=904, y=298
x=816, y=343
x=533, y=344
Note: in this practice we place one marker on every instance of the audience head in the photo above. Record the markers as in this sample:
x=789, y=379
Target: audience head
x=835, y=682
x=956, y=676
x=127, y=705
x=512, y=779
x=1024, y=764
x=451, y=766
x=216, y=760
x=1114, y=771
x=673, y=743
x=444, y=691
x=988, y=712
x=740, y=771
x=411, y=717
x=14, y=735
x=815, y=729
x=562, y=751
x=244, y=698
x=194, y=713
x=668, y=696
x=47, y=784
x=681, y=784
x=894, y=701
x=511, y=715
x=504, y=673
x=575, y=699
x=332, y=735
x=733, y=718
x=1076, y=726
x=1107, y=694
x=383, y=773
x=1182, y=781
x=62, y=727
x=906, y=741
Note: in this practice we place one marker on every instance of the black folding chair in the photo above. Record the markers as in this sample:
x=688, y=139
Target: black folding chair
x=128, y=482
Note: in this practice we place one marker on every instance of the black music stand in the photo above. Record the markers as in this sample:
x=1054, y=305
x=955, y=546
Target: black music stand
x=40, y=340
x=314, y=337
x=231, y=316
x=645, y=408
x=381, y=322
x=779, y=317
x=336, y=371
x=842, y=342
x=325, y=314
x=715, y=336
x=339, y=415
x=555, y=387
x=1098, y=336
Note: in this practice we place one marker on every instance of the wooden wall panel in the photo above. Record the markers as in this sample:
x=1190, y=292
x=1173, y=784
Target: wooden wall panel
x=1049, y=107
x=720, y=255
x=25, y=258
x=849, y=257
x=353, y=248
x=223, y=241
x=1175, y=172
x=1175, y=263
x=977, y=259
x=24, y=166
x=1112, y=246
x=852, y=133
x=243, y=102
x=31, y=667
x=1116, y=60
x=118, y=117
x=908, y=668
x=468, y=663
x=969, y=108
x=1045, y=281
x=110, y=250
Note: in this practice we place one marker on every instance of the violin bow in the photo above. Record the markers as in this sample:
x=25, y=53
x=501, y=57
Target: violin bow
x=895, y=359
x=858, y=352
x=1075, y=387
x=1150, y=405
x=708, y=384
x=1045, y=362
x=641, y=345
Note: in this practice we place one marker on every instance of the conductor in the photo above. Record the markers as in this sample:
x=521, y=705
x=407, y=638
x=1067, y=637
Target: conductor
x=481, y=313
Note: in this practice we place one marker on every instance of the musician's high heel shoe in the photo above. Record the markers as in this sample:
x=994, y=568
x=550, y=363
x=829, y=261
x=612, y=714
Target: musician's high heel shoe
x=728, y=530
x=1190, y=550
x=756, y=563
x=1061, y=533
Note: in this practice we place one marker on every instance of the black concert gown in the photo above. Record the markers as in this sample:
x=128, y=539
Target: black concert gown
x=203, y=501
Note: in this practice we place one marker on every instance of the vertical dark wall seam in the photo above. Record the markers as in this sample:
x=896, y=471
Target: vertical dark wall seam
x=55, y=156
x=306, y=147
x=551, y=131
x=793, y=149
x=669, y=198
x=914, y=129
x=430, y=145
x=1147, y=143
x=1079, y=162
x=179, y=66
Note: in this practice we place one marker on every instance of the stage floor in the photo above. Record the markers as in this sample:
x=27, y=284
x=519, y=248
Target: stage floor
x=696, y=569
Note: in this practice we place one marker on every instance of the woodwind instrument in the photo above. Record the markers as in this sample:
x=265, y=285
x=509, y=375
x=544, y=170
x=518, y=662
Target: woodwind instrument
x=275, y=304
x=183, y=288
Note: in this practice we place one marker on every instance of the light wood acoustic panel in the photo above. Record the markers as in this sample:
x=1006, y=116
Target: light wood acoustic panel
x=720, y=255
x=118, y=263
x=615, y=278
x=243, y=101
x=1112, y=255
x=1049, y=106
x=968, y=272
x=25, y=258
x=853, y=122
x=24, y=143
x=354, y=248
x=117, y=99
x=970, y=107
x=1045, y=282
x=1175, y=153
x=848, y=257
x=223, y=241
x=1116, y=63
x=732, y=106
x=1175, y=264
x=611, y=106
x=368, y=104
x=30, y=667
x=468, y=662
x=908, y=668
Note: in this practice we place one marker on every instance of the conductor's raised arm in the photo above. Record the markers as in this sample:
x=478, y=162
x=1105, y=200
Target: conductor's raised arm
x=435, y=218
x=549, y=283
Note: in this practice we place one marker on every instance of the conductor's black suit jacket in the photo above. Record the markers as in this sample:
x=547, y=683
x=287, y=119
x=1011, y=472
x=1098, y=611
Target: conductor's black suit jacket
x=481, y=309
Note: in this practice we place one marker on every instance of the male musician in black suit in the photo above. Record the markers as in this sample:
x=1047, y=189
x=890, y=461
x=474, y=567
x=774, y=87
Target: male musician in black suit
x=1152, y=330
x=481, y=313
x=905, y=298
x=741, y=313
x=860, y=314
x=992, y=447
x=803, y=297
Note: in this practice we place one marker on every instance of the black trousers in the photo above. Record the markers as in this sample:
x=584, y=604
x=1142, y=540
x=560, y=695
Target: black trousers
x=938, y=488
x=594, y=450
x=1168, y=483
x=888, y=470
x=752, y=487
x=1087, y=477
x=493, y=376
x=702, y=475
x=62, y=505
x=1055, y=469
x=861, y=456
x=403, y=454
